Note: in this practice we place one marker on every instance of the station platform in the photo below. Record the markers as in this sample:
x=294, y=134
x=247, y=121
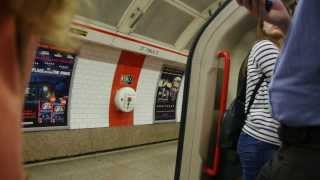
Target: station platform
x=150, y=162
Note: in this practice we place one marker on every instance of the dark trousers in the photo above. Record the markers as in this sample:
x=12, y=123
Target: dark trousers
x=298, y=157
x=253, y=154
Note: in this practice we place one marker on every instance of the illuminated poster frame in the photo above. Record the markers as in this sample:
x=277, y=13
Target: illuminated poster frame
x=165, y=108
x=47, y=95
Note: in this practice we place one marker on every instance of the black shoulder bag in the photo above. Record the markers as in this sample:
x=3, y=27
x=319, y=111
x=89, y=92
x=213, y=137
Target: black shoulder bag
x=235, y=116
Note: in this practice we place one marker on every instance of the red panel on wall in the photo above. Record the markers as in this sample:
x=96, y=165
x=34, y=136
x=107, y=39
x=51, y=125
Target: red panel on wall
x=126, y=75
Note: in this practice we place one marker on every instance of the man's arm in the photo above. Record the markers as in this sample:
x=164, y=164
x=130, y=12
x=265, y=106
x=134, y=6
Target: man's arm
x=278, y=14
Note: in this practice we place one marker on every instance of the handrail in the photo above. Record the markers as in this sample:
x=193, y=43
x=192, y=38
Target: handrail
x=216, y=153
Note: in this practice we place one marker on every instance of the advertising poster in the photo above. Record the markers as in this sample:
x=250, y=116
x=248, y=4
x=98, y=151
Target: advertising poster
x=47, y=95
x=167, y=94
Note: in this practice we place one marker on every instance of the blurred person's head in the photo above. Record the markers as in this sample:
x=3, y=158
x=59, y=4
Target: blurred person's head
x=24, y=22
x=46, y=18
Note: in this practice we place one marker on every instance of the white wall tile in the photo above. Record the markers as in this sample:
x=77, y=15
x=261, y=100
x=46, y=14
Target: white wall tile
x=91, y=86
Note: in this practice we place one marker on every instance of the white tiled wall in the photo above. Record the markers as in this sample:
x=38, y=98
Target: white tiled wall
x=91, y=86
x=146, y=91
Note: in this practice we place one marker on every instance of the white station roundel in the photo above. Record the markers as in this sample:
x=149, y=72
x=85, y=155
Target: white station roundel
x=125, y=99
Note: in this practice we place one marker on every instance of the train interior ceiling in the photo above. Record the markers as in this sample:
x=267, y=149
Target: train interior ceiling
x=165, y=53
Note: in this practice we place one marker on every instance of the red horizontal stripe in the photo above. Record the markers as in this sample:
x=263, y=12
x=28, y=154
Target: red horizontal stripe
x=127, y=38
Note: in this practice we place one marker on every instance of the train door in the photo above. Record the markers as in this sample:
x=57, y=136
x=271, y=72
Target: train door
x=232, y=30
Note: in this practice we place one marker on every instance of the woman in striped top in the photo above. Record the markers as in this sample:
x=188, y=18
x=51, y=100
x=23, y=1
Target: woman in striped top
x=259, y=138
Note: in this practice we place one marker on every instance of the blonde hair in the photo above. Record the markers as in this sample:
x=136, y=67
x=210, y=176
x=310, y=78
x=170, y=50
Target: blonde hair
x=50, y=19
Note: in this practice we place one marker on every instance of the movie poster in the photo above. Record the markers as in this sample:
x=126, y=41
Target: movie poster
x=47, y=96
x=167, y=94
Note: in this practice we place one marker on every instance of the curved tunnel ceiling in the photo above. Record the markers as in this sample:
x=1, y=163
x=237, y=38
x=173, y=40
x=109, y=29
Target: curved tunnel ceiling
x=171, y=23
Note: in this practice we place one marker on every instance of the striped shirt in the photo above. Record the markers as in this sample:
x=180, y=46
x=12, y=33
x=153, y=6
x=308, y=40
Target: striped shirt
x=259, y=123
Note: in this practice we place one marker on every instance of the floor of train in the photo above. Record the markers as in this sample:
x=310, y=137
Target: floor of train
x=151, y=162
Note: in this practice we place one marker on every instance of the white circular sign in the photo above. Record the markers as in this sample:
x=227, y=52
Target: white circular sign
x=125, y=99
